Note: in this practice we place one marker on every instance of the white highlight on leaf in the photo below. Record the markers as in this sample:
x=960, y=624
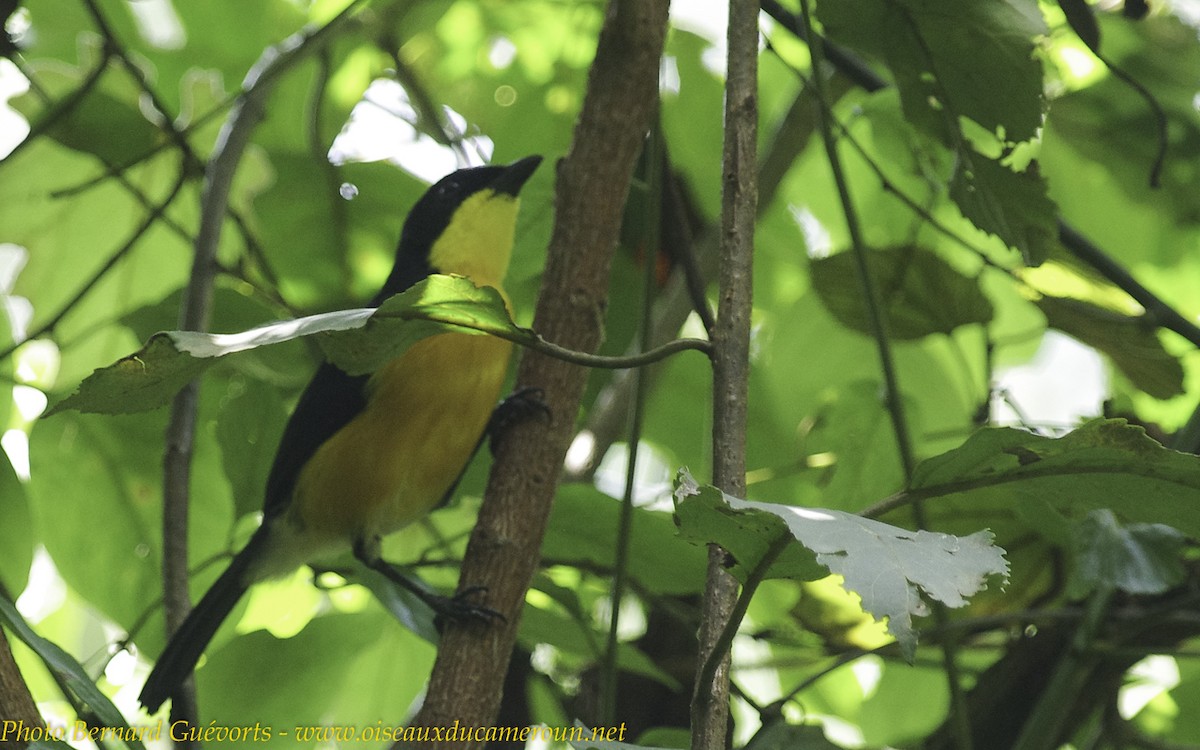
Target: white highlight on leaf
x=206, y=345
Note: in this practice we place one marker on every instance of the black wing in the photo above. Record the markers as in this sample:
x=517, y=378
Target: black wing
x=331, y=399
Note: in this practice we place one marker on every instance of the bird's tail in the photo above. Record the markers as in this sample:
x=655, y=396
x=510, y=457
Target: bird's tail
x=186, y=644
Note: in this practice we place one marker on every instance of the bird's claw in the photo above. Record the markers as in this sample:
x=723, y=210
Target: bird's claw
x=460, y=608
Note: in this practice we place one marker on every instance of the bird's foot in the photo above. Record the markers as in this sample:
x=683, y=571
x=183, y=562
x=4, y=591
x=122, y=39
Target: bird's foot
x=520, y=406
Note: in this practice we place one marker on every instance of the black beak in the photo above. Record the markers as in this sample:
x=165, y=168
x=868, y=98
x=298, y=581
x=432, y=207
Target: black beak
x=513, y=178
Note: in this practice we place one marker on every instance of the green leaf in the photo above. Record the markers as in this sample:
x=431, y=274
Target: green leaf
x=235, y=682
x=1142, y=558
x=1012, y=205
x=1116, y=132
x=248, y=431
x=583, y=524
x=436, y=305
x=952, y=58
x=72, y=674
x=141, y=381
x=101, y=122
x=887, y=566
x=87, y=472
x=357, y=340
x=977, y=61
x=16, y=530
x=923, y=294
x=1105, y=463
x=573, y=637
x=704, y=515
x=1129, y=341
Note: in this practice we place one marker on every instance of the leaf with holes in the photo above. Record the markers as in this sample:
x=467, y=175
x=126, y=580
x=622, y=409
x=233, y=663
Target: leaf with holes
x=887, y=566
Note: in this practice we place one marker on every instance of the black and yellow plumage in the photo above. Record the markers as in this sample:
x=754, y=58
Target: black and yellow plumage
x=363, y=456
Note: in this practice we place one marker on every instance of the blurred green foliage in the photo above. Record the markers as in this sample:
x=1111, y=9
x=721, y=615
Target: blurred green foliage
x=992, y=123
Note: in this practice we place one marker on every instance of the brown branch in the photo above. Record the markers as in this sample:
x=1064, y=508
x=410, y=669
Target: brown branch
x=676, y=300
x=593, y=182
x=16, y=703
x=731, y=362
x=196, y=309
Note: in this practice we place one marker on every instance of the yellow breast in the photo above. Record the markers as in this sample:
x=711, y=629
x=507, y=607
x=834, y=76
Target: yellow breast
x=395, y=461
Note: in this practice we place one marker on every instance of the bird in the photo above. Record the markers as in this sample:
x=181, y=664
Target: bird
x=362, y=456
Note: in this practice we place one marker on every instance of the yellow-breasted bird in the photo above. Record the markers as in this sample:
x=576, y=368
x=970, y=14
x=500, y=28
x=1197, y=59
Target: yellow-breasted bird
x=363, y=456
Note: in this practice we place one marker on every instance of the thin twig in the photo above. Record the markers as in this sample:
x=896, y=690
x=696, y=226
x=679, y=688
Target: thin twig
x=712, y=663
x=1156, y=309
x=731, y=365
x=678, y=297
x=149, y=221
x=430, y=118
x=875, y=312
x=196, y=310
x=892, y=393
x=650, y=236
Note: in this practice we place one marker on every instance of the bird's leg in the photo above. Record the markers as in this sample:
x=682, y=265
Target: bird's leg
x=458, y=608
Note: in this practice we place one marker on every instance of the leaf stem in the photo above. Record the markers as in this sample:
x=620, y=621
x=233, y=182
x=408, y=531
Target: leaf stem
x=892, y=394
x=725, y=640
x=651, y=239
x=874, y=309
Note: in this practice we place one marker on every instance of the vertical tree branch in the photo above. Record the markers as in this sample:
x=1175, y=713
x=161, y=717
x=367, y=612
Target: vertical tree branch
x=731, y=353
x=593, y=181
x=196, y=309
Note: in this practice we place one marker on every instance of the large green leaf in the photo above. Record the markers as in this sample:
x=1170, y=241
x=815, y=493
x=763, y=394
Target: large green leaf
x=105, y=124
x=952, y=58
x=95, y=496
x=235, y=683
x=584, y=522
x=1011, y=204
x=889, y=567
x=922, y=293
x=1102, y=464
x=358, y=341
x=1129, y=341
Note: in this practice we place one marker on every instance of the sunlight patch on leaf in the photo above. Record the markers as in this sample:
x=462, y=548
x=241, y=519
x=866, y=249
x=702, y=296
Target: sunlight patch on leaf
x=1130, y=342
x=357, y=340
